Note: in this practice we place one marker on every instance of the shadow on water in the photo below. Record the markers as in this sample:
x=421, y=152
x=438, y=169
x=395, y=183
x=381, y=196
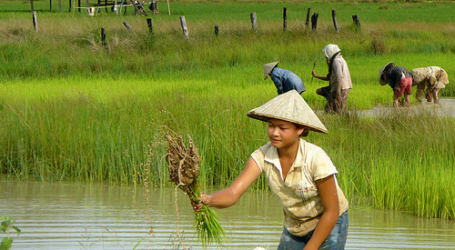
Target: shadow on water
x=96, y=216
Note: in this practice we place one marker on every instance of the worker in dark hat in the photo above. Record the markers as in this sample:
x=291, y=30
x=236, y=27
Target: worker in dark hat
x=399, y=79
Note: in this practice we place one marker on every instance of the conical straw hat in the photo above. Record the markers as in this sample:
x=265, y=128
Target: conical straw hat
x=290, y=107
x=268, y=67
x=381, y=70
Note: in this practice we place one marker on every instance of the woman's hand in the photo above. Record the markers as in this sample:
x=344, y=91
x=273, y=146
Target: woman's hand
x=313, y=73
x=229, y=196
x=203, y=200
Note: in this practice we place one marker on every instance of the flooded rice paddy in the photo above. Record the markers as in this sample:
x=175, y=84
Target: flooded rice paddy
x=446, y=107
x=97, y=216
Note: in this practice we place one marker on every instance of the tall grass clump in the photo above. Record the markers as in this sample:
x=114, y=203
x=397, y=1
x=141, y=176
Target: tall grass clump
x=390, y=166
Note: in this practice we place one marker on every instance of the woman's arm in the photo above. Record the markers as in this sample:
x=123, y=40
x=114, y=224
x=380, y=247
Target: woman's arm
x=329, y=198
x=229, y=196
x=324, y=78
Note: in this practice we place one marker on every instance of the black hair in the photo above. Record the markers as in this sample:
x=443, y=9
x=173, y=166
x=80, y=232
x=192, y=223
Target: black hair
x=331, y=63
x=304, y=132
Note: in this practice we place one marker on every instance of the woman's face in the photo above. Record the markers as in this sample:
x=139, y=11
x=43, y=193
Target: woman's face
x=283, y=134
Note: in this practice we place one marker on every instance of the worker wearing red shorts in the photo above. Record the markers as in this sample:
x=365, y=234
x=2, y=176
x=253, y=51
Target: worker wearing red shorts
x=399, y=79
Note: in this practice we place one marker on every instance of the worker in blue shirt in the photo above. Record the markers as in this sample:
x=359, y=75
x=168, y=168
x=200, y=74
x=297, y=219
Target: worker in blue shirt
x=284, y=79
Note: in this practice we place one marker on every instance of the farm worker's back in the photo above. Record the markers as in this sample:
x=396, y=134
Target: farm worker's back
x=284, y=80
x=432, y=78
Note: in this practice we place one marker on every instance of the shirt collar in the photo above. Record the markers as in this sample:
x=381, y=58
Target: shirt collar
x=271, y=156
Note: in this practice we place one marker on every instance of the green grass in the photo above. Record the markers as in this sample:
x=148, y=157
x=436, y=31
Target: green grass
x=74, y=110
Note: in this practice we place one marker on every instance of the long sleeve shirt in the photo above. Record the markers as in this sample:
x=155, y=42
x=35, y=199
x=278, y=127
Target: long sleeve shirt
x=286, y=80
x=340, y=78
x=395, y=74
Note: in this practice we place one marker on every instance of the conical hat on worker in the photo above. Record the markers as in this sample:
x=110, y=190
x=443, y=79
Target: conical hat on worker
x=268, y=68
x=381, y=70
x=290, y=107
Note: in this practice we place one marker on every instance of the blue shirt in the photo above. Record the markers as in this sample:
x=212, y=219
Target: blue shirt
x=286, y=80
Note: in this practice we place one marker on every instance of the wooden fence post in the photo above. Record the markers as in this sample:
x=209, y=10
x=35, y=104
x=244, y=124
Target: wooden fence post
x=79, y=5
x=253, y=21
x=168, y=8
x=184, y=28
x=149, y=24
x=35, y=22
x=70, y=5
x=307, y=23
x=356, y=20
x=285, y=18
x=314, y=21
x=114, y=7
x=217, y=30
x=334, y=18
x=154, y=7
x=127, y=26
x=50, y=5
x=60, y=6
x=103, y=37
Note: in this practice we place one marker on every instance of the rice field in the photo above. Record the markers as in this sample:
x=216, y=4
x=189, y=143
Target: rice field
x=74, y=110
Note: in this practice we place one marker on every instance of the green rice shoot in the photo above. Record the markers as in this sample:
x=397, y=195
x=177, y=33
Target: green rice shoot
x=184, y=172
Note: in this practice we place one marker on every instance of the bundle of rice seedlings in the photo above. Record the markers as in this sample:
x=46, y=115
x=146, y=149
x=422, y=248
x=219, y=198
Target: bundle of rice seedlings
x=184, y=172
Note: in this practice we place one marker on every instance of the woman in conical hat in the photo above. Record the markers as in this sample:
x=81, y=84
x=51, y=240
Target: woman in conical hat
x=300, y=173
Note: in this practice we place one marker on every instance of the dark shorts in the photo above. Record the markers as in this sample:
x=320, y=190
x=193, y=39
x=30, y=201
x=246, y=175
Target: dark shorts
x=404, y=87
x=326, y=91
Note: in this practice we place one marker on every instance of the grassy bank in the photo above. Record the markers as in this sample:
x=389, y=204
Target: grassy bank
x=72, y=109
x=68, y=44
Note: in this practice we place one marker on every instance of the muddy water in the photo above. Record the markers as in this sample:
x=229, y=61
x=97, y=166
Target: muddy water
x=446, y=107
x=97, y=216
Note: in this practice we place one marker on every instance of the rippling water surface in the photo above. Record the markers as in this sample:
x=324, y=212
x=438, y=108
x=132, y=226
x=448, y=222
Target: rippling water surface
x=97, y=216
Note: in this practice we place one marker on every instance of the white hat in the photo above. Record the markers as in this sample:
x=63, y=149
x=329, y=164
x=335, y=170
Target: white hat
x=381, y=71
x=268, y=68
x=330, y=50
x=289, y=107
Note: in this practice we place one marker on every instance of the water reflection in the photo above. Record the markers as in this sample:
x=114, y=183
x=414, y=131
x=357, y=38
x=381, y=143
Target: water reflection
x=96, y=216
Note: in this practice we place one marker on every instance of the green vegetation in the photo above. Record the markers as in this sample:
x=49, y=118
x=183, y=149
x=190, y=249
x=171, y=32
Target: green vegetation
x=72, y=109
x=5, y=226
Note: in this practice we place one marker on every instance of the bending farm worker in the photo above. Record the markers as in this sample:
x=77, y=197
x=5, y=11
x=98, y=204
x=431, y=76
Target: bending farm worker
x=399, y=79
x=432, y=78
x=298, y=172
x=339, y=80
x=283, y=79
